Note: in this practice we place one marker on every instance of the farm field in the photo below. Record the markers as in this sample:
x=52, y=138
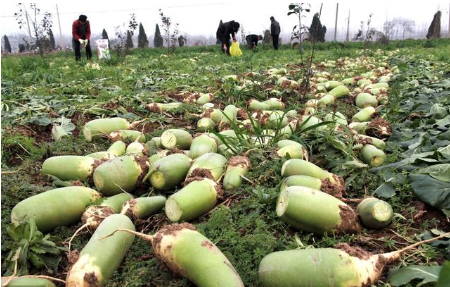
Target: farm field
x=397, y=150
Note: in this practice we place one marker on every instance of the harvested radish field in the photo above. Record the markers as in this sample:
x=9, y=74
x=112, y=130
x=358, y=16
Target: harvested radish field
x=198, y=169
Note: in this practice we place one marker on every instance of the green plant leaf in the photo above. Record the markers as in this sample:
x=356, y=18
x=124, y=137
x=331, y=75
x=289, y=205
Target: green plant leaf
x=444, y=275
x=386, y=190
x=438, y=171
x=405, y=275
x=431, y=191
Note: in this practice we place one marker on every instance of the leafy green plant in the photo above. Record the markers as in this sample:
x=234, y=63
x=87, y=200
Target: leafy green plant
x=29, y=249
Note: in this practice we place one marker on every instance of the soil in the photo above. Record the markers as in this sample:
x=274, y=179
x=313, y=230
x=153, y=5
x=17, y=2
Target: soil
x=198, y=174
x=379, y=128
x=350, y=222
x=239, y=161
x=91, y=279
x=335, y=189
x=355, y=251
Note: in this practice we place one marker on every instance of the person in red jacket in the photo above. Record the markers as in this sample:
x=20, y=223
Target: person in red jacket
x=81, y=33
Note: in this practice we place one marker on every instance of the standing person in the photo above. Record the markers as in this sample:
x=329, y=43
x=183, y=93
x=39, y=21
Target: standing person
x=225, y=32
x=81, y=33
x=252, y=40
x=274, y=32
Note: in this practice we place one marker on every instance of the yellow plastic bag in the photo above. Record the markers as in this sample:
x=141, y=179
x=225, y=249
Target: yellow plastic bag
x=235, y=50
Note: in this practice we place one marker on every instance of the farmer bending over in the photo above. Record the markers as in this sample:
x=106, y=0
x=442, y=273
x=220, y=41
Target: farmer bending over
x=81, y=33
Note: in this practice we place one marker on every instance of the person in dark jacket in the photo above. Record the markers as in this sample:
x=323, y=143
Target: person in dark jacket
x=274, y=32
x=225, y=32
x=81, y=35
x=252, y=40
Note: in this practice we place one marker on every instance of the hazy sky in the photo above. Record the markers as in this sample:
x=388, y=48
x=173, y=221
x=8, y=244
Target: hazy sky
x=201, y=17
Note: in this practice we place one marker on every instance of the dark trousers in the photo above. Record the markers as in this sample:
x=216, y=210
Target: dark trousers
x=275, y=41
x=77, y=47
x=227, y=42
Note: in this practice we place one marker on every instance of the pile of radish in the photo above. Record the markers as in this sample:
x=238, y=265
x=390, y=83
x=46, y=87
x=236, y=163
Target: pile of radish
x=191, y=172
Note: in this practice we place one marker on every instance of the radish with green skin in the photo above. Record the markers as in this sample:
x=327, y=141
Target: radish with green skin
x=69, y=167
x=193, y=200
x=349, y=81
x=378, y=86
x=157, y=142
x=326, y=100
x=324, y=267
x=274, y=104
x=375, y=213
x=206, y=124
x=56, y=207
x=359, y=127
x=176, y=138
x=160, y=108
x=315, y=211
x=339, y=91
x=364, y=115
x=284, y=143
x=101, y=155
x=308, y=121
x=100, y=258
x=119, y=175
x=135, y=148
x=190, y=254
x=337, y=117
x=102, y=127
x=204, y=98
x=203, y=144
x=26, y=282
x=332, y=84
x=229, y=115
x=301, y=180
x=292, y=151
x=214, y=114
x=169, y=171
x=372, y=155
x=378, y=143
x=128, y=136
x=213, y=162
x=143, y=207
x=238, y=166
x=118, y=148
x=365, y=100
x=255, y=105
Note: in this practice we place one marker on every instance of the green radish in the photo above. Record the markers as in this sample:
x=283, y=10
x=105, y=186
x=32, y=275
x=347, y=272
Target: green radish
x=375, y=213
x=274, y=104
x=238, y=166
x=56, y=207
x=372, y=155
x=225, y=150
x=160, y=108
x=383, y=99
x=337, y=117
x=157, y=156
x=204, y=98
x=326, y=100
x=378, y=86
x=206, y=124
x=255, y=105
x=128, y=136
x=349, y=81
x=157, y=142
x=276, y=119
x=324, y=267
x=69, y=167
x=203, y=144
x=315, y=211
x=135, y=148
x=229, y=116
x=378, y=143
x=291, y=114
x=102, y=127
x=190, y=254
x=288, y=130
x=332, y=84
x=212, y=163
x=301, y=180
x=101, y=155
x=292, y=151
x=119, y=175
x=24, y=281
x=364, y=82
x=143, y=207
x=308, y=121
x=192, y=201
x=101, y=257
x=118, y=148
x=365, y=100
x=168, y=172
x=176, y=138
x=359, y=127
x=214, y=114
x=339, y=91
x=364, y=115
x=284, y=143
